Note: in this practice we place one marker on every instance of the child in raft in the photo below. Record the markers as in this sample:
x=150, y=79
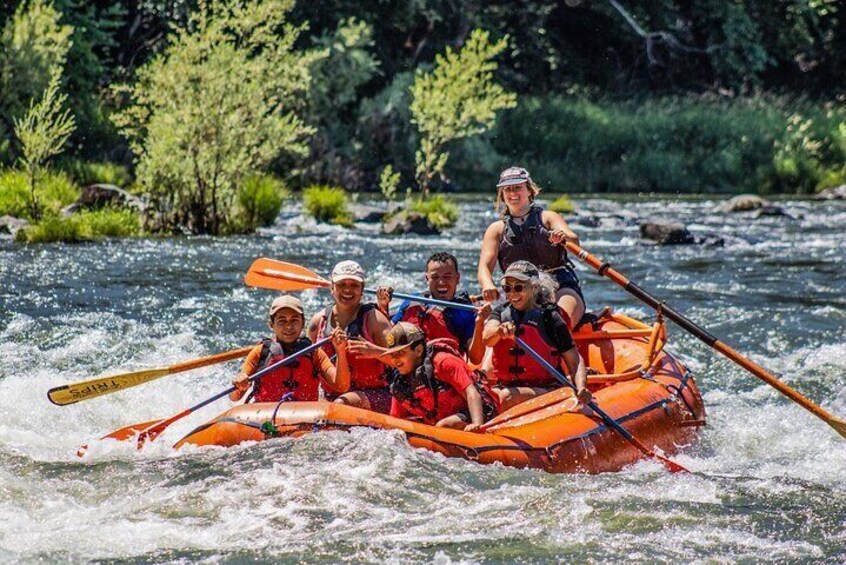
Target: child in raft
x=462, y=326
x=362, y=322
x=531, y=314
x=432, y=383
x=299, y=379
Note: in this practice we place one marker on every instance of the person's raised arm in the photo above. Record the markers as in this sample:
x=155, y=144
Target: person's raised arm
x=559, y=231
x=487, y=261
x=476, y=349
x=336, y=377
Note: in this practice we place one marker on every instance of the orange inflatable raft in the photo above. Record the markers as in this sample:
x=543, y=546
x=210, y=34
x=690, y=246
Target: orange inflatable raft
x=633, y=379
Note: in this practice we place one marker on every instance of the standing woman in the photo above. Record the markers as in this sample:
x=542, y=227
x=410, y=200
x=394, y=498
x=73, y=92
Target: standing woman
x=527, y=232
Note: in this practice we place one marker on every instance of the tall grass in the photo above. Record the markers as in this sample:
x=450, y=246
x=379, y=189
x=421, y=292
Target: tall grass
x=441, y=212
x=327, y=204
x=84, y=226
x=259, y=199
x=54, y=191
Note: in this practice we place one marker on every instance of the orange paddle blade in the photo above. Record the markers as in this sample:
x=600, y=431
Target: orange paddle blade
x=279, y=275
x=123, y=434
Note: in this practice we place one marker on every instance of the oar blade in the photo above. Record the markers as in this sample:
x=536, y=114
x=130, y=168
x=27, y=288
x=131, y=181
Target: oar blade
x=123, y=434
x=671, y=465
x=279, y=275
x=86, y=390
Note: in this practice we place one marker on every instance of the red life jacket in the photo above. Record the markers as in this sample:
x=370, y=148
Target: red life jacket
x=300, y=377
x=364, y=373
x=424, y=395
x=512, y=366
x=431, y=320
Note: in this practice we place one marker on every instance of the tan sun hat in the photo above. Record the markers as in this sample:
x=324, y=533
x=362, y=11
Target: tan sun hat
x=402, y=335
x=347, y=270
x=286, y=301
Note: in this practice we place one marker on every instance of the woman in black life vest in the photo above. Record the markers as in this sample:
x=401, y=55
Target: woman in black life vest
x=530, y=314
x=529, y=233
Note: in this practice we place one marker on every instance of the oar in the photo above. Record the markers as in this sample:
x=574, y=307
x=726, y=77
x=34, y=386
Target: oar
x=279, y=275
x=605, y=269
x=148, y=431
x=671, y=466
x=86, y=390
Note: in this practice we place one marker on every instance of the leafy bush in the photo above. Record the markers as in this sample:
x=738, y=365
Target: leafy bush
x=327, y=204
x=86, y=173
x=672, y=144
x=110, y=222
x=442, y=213
x=85, y=226
x=54, y=191
x=562, y=205
x=220, y=103
x=259, y=200
x=459, y=98
x=54, y=228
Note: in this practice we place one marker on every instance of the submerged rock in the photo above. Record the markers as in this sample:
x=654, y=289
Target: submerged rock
x=11, y=224
x=665, y=232
x=409, y=222
x=99, y=195
x=772, y=210
x=742, y=203
x=834, y=193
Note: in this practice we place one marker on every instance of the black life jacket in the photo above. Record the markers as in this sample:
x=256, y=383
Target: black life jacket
x=530, y=242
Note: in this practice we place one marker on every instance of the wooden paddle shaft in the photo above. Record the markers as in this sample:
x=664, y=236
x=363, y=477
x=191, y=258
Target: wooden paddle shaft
x=605, y=269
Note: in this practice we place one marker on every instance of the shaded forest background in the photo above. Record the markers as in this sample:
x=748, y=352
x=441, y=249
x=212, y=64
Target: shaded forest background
x=666, y=95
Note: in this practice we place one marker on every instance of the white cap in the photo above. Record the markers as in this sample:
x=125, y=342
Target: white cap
x=347, y=270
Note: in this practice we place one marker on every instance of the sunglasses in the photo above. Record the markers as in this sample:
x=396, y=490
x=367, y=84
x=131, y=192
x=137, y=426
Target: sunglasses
x=507, y=288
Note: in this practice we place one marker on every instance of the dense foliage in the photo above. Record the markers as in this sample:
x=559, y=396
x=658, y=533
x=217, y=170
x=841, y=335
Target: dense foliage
x=612, y=95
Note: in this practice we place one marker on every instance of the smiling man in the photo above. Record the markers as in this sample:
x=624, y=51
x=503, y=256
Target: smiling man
x=362, y=323
x=437, y=322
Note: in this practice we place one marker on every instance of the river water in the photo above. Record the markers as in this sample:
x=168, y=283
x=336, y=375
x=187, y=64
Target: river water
x=767, y=482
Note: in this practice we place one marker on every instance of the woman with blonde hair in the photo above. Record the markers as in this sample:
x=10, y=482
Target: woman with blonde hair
x=527, y=232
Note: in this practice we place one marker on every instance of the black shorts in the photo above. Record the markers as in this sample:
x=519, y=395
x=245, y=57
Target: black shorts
x=566, y=277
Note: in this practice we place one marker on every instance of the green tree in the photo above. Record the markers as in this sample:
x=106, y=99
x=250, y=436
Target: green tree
x=457, y=99
x=34, y=44
x=217, y=106
x=42, y=133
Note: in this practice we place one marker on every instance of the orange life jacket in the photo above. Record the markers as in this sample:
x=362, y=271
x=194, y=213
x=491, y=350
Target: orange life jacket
x=300, y=378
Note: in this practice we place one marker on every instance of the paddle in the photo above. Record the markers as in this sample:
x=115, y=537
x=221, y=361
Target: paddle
x=604, y=269
x=671, y=466
x=86, y=390
x=279, y=275
x=148, y=431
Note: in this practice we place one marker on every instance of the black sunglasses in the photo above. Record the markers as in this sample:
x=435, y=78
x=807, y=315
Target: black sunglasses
x=516, y=288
